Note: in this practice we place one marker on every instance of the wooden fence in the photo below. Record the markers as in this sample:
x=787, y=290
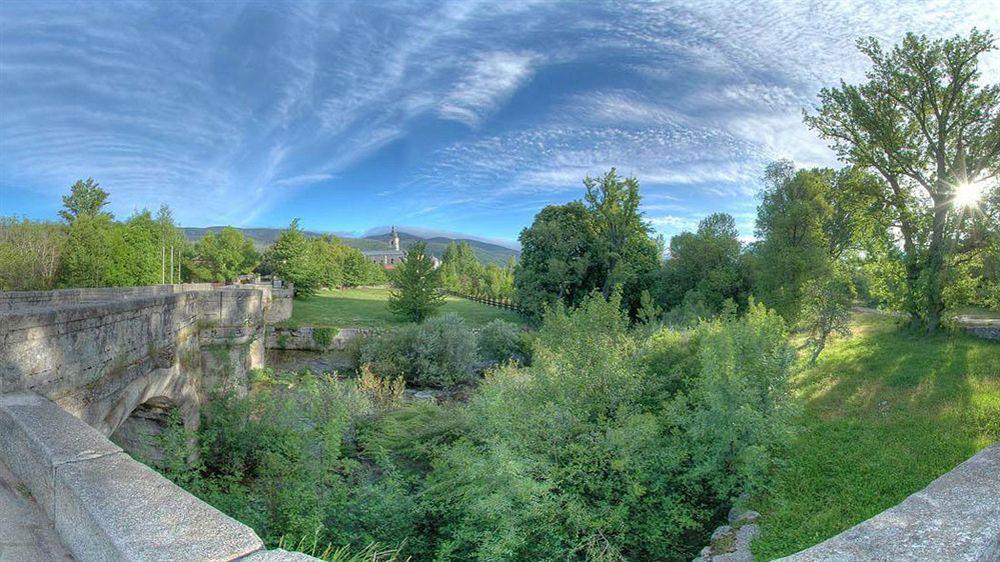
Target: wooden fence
x=509, y=304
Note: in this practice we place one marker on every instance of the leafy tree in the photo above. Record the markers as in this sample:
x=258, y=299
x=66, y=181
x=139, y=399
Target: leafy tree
x=143, y=239
x=290, y=258
x=30, y=252
x=86, y=198
x=96, y=254
x=704, y=268
x=924, y=123
x=826, y=309
x=224, y=256
x=359, y=270
x=460, y=268
x=626, y=251
x=416, y=285
x=558, y=262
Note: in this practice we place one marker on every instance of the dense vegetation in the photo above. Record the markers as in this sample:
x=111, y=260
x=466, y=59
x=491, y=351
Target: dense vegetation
x=616, y=443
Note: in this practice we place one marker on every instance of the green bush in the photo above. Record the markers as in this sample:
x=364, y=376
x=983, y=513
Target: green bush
x=501, y=341
x=611, y=446
x=439, y=352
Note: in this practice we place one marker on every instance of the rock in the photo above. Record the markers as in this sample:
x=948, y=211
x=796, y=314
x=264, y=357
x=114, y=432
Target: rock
x=721, y=532
x=707, y=551
x=733, y=514
x=746, y=534
x=748, y=516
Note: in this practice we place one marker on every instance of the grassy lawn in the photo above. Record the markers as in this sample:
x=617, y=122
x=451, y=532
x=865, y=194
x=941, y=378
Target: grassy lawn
x=884, y=413
x=365, y=307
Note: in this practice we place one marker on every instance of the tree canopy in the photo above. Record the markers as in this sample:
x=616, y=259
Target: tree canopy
x=922, y=121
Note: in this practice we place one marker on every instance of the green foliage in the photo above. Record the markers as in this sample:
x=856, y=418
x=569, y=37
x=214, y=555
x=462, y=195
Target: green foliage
x=292, y=258
x=625, y=251
x=30, y=252
x=587, y=455
x=86, y=198
x=925, y=124
x=704, y=270
x=500, y=341
x=224, y=256
x=438, y=352
x=96, y=254
x=557, y=258
x=612, y=445
x=416, y=286
x=826, y=309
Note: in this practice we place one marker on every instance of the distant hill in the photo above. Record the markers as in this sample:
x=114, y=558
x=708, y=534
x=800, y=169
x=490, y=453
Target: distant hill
x=486, y=252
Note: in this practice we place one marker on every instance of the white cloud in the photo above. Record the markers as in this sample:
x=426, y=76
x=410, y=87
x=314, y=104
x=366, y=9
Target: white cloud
x=490, y=80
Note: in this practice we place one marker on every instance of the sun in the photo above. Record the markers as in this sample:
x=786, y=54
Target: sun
x=969, y=194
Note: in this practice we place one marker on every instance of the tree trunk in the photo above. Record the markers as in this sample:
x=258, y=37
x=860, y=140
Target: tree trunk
x=935, y=268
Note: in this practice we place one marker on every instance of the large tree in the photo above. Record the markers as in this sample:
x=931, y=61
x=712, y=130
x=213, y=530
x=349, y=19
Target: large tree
x=291, y=259
x=704, y=268
x=416, y=285
x=86, y=198
x=558, y=262
x=923, y=122
x=224, y=256
x=598, y=244
x=626, y=250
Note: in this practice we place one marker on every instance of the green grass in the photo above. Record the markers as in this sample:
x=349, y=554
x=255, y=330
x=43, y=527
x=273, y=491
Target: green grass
x=365, y=307
x=883, y=414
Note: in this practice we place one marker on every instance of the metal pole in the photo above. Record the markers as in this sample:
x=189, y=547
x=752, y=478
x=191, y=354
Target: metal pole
x=163, y=266
x=171, y=265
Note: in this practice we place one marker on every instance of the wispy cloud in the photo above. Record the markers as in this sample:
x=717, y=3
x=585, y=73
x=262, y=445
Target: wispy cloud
x=464, y=114
x=492, y=78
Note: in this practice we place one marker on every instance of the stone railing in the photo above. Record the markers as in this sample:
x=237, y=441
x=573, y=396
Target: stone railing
x=956, y=518
x=106, y=506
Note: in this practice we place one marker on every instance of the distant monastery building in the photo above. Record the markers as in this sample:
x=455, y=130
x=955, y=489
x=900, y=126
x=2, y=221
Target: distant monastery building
x=392, y=257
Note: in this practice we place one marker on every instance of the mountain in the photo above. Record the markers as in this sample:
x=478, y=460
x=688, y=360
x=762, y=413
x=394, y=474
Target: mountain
x=262, y=237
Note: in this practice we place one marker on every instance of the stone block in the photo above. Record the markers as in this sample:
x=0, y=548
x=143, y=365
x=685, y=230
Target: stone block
x=114, y=508
x=36, y=436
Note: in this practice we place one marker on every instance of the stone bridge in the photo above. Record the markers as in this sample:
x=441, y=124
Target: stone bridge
x=85, y=374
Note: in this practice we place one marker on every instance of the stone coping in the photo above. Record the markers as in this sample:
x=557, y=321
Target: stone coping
x=956, y=518
x=103, y=504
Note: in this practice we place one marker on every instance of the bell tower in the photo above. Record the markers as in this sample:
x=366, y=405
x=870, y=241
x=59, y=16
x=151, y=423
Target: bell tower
x=394, y=238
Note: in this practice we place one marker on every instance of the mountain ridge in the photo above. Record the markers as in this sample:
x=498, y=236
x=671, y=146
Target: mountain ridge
x=486, y=252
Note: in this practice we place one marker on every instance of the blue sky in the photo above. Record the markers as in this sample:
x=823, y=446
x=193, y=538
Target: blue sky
x=462, y=116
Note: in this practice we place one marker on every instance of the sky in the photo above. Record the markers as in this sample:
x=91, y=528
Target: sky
x=461, y=116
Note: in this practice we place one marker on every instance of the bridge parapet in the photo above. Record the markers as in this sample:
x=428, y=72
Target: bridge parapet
x=106, y=506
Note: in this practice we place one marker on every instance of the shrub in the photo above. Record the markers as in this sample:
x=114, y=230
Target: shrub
x=501, y=341
x=440, y=352
x=611, y=447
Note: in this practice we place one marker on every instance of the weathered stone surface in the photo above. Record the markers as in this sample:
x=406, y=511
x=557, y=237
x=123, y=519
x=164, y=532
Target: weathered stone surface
x=955, y=518
x=36, y=436
x=278, y=555
x=114, y=508
x=26, y=534
x=720, y=532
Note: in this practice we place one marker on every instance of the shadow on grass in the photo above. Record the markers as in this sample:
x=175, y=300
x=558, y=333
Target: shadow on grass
x=884, y=413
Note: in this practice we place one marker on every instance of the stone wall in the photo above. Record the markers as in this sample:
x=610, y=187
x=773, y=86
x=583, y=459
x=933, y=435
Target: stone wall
x=955, y=518
x=100, y=359
x=19, y=300
x=308, y=338
x=106, y=506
